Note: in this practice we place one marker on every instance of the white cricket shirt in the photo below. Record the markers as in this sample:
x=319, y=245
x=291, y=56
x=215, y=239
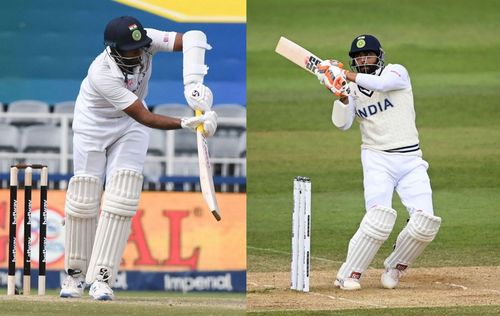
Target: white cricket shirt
x=106, y=92
x=383, y=105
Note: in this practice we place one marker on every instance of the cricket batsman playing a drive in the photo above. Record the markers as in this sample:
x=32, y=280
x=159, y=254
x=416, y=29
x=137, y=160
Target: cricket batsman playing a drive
x=381, y=98
x=111, y=136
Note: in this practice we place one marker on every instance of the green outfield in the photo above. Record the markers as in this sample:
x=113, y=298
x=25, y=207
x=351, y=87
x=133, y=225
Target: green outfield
x=127, y=303
x=450, y=49
x=440, y=311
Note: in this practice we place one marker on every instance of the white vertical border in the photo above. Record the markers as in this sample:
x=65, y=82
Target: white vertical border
x=295, y=234
x=307, y=235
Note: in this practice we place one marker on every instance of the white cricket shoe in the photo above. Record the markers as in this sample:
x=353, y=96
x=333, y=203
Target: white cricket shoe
x=73, y=285
x=390, y=278
x=348, y=284
x=100, y=290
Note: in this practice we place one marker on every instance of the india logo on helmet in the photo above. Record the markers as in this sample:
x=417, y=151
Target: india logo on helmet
x=361, y=43
x=136, y=35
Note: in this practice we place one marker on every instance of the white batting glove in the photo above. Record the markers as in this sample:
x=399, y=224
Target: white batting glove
x=322, y=67
x=332, y=76
x=209, y=121
x=198, y=97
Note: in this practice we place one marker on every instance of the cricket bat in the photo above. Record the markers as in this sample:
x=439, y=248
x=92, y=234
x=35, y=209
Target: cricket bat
x=305, y=59
x=206, y=176
x=297, y=54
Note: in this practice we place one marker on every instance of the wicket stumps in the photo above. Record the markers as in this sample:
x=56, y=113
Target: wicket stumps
x=301, y=234
x=28, y=179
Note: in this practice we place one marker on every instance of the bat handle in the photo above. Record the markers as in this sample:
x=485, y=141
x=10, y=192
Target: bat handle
x=200, y=127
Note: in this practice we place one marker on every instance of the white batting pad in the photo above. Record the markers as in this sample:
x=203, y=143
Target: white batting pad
x=121, y=197
x=411, y=242
x=81, y=210
x=194, y=44
x=373, y=231
x=122, y=192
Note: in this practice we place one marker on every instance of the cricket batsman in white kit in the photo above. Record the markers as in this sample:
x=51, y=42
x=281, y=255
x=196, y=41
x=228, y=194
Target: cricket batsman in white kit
x=380, y=97
x=111, y=136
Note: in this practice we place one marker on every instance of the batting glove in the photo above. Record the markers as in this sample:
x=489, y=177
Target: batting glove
x=209, y=121
x=332, y=76
x=198, y=97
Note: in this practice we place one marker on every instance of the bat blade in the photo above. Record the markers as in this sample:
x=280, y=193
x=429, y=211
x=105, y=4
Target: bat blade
x=297, y=54
x=206, y=176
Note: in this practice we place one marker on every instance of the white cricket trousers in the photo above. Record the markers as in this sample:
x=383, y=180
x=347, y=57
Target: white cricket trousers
x=384, y=172
x=100, y=152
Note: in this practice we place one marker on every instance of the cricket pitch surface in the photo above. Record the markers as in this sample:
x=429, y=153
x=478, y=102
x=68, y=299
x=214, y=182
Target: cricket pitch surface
x=420, y=287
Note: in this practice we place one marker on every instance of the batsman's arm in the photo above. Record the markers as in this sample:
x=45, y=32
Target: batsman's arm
x=343, y=113
x=142, y=115
x=178, y=42
x=350, y=76
x=138, y=112
x=395, y=77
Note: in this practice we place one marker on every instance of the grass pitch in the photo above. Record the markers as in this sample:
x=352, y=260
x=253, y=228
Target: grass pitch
x=127, y=303
x=436, y=311
x=449, y=51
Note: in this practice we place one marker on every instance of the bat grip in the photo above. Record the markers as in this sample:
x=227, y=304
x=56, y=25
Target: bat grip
x=200, y=127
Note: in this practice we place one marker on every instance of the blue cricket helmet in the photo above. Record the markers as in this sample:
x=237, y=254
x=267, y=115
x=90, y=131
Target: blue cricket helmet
x=126, y=33
x=366, y=43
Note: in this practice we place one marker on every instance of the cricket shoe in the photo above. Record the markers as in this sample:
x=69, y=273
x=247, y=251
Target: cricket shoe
x=100, y=289
x=390, y=278
x=73, y=285
x=347, y=284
